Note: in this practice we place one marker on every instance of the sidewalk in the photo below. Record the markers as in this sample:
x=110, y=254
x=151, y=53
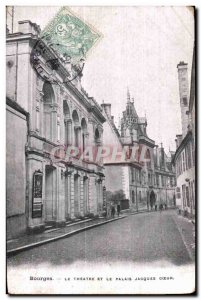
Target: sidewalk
x=33, y=240
x=186, y=228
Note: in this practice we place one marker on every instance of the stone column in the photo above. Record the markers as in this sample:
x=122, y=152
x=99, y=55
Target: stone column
x=98, y=193
x=101, y=195
x=54, y=121
x=86, y=140
x=91, y=133
x=60, y=213
x=79, y=137
x=69, y=132
x=41, y=115
x=64, y=132
x=73, y=134
x=92, y=194
x=38, y=114
x=71, y=179
x=86, y=194
x=56, y=194
x=81, y=195
x=68, y=194
x=66, y=190
x=58, y=129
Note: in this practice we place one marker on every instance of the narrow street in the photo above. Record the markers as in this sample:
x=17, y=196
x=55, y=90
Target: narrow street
x=146, y=237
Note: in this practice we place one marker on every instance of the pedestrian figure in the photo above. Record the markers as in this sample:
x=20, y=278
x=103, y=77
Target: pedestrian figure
x=152, y=199
x=118, y=209
x=113, y=211
x=165, y=206
x=155, y=207
x=161, y=207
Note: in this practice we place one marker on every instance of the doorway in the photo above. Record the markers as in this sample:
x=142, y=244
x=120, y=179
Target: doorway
x=50, y=194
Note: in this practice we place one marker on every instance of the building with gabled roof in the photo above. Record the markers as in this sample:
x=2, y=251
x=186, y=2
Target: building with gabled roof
x=184, y=158
x=144, y=173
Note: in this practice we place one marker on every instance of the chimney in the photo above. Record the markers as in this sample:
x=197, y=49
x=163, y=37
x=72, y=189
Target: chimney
x=162, y=162
x=107, y=108
x=28, y=27
x=184, y=94
x=157, y=157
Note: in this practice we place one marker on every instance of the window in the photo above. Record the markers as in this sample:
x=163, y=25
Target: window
x=76, y=128
x=97, y=136
x=187, y=197
x=178, y=193
x=167, y=181
x=49, y=127
x=157, y=179
x=189, y=155
x=162, y=180
x=132, y=174
x=140, y=176
x=84, y=133
x=186, y=157
x=133, y=197
x=184, y=194
x=149, y=179
x=137, y=173
x=185, y=102
x=140, y=196
x=183, y=161
x=148, y=158
x=67, y=124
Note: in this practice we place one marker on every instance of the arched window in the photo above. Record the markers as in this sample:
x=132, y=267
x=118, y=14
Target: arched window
x=84, y=132
x=67, y=124
x=97, y=136
x=48, y=120
x=76, y=129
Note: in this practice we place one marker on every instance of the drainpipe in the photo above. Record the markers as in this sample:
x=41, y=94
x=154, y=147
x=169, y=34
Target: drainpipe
x=16, y=77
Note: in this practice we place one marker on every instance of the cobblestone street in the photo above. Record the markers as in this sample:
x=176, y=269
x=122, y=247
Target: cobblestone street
x=145, y=237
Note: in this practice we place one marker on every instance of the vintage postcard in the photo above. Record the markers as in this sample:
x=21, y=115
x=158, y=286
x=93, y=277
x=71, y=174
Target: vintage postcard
x=100, y=150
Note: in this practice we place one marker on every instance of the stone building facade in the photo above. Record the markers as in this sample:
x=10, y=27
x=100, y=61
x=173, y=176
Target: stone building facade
x=16, y=139
x=145, y=173
x=184, y=158
x=58, y=185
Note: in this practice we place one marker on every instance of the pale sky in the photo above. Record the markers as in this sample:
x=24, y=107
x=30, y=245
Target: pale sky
x=140, y=48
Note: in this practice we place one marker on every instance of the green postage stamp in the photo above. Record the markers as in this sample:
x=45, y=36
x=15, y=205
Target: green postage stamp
x=69, y=35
